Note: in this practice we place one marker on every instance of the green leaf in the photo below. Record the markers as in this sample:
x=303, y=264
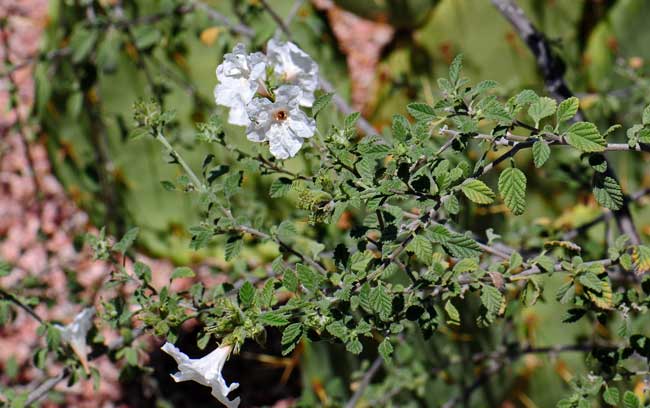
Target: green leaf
x=512, y=186
x=366, y=168
x=167, y=185
x=127, y=240
x=280, y=187
x=527, y=96
x=492, y=299
x=543, y=107
x=108, y=51
x=541, y=153
x=290, y=336
x=455, y=68
x=351, y=120
x=451, y=204
x=321, y=103
x=385, y=349
x=401, y=127
x=641, y=257
x=274, y=318
x=494, y=110
x=477, y=191
x=309, y=278
x=608, y=193
x=530, y=293
x=354, y=346
x=142, y=271
x=247, y=294
x=452, y=313
x=82, y=43
x=182, y=272
x=466, y=265
x=233, y=247
x=585, y=137
x=337, y=329
x=290, y=280
x=645, y=118
x=611, y=396
x=146, y=36
x=591, y=281
x=456, y=244
x=381, y=302
x=421, y=247
x=630, y=400
x=567, y=109
x=421, y=111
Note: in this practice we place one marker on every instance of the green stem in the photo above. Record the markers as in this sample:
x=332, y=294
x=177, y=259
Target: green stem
x=197, y=182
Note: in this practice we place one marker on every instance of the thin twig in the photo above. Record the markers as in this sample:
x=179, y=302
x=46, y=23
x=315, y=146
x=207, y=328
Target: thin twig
x=365, y=381
x=221, y=19
x=8, y=296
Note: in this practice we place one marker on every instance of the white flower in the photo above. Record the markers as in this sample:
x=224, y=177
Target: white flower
x=281, y=123
x=74, y=334
x=295, y=67
x=239, y=75
x=205, y=371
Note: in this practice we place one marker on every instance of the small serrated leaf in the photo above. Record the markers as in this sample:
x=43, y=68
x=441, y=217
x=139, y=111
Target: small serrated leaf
x=608, y=193
x=567, y=109
x=452, y=313
x=421, y=247
x=421, y=111
x=381, y=302
x=290, y=336
x=541, y=153
x=542, y=108
x=630, y=400
x=385, y=349
x=585, y=137
x=641, y=258
x=247, y=294
x=320, y=103
x=611, y=396
x=512, y=186
x=127, y=241
x=477, y=191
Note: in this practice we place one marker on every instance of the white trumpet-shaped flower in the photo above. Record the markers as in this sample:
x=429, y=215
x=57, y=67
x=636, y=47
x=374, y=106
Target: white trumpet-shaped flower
x=205, y=371
x=74, y=334
x=281, y=122
x=295, y=67
x=240, y=75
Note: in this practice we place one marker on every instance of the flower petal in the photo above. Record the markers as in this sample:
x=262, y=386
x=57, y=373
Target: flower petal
x=282, y=143
x=300, y=125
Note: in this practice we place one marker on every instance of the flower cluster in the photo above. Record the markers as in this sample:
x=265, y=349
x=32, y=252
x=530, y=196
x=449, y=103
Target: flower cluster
x=265, y=92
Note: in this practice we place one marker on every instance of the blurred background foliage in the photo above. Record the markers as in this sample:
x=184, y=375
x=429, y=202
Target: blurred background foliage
x=97, y=61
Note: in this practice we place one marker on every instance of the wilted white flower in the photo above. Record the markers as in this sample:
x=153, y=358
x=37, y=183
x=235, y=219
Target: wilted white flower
x=74, y=334
x=240, y=76
x=205, y=371
x=294, y=66
x=281, y=123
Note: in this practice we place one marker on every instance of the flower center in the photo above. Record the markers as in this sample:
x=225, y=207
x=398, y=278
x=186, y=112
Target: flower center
x=281, y=115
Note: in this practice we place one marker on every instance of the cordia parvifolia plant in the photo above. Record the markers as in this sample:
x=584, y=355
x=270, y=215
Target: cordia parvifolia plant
x=410, y=269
